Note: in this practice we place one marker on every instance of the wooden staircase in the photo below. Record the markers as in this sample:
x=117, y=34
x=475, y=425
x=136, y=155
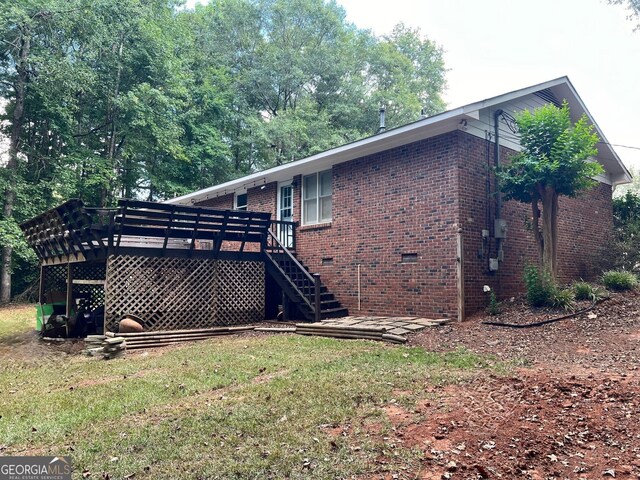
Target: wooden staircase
x=303, y=288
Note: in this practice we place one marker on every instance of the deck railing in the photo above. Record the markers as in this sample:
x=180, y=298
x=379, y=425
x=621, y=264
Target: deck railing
x=285, y=232
x=307, y=285
x=152, y=229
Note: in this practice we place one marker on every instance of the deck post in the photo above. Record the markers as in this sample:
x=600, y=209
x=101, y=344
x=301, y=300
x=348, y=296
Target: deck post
x=317, y=303
x=41, y=298
x=69, y=289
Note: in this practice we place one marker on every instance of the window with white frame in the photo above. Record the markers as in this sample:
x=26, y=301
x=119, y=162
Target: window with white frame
x=316, y=198
x=240, y=201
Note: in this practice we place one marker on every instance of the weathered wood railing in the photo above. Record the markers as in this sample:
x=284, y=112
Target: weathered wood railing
x=72, y=230
x=307, y=286
x=68, y=230
x=285, y=232
x=171, y=223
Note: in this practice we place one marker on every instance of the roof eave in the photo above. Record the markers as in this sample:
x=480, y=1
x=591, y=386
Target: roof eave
x=448, y=121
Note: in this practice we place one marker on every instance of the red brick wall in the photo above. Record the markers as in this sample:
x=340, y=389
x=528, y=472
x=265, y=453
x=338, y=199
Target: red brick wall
x=259, y=199
x=584, y=226
x=399, y=201
x=412, y=199
x=223, y=202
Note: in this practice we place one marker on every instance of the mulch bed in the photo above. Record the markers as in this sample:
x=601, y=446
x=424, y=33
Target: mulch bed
x=573, y=411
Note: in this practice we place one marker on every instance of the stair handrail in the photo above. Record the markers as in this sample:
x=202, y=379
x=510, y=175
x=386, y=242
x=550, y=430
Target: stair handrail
x=285, y=230
x=274, y=243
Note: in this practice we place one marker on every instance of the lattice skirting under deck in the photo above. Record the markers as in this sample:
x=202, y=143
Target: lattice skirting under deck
x=177, y=293
x=91, y=295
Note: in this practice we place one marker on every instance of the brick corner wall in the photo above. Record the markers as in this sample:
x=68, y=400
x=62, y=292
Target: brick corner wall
x=585, y=226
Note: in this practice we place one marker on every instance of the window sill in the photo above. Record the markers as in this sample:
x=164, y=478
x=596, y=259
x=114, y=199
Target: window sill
x=315, y=226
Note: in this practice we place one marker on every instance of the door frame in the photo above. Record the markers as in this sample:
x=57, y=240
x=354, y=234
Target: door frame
x=289, y=242
x=279, y=199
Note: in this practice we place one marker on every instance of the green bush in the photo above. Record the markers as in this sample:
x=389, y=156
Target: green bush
x=563, y=298
x=540, y=287
x=585, y=291
x=619, y=280
x=494, y=306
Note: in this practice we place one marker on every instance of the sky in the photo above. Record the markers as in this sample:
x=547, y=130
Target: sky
x=496, y=46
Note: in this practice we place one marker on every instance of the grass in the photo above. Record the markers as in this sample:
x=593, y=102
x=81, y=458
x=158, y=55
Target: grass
x=16, y=319
x=237, y=407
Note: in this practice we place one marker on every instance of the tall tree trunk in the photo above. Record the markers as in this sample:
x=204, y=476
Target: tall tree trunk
x=537, y=234
x=111, y=125
x=12, y=164
x=550, y=230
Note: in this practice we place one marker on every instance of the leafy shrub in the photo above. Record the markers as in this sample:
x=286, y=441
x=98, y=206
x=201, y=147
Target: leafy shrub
x=540, y=287
x=619, y=280
x=494, y=306
x=543, y=292
x=585, y=291
x=563, y=298
x=625, y=250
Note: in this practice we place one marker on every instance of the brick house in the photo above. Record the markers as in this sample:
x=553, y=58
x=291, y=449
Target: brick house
x=404, y=222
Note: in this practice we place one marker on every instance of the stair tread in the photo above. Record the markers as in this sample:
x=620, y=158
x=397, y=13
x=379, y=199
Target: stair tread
x=296, y=283
x=333, y=310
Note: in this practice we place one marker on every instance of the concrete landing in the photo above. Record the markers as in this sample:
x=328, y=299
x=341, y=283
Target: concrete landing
x=395, y=325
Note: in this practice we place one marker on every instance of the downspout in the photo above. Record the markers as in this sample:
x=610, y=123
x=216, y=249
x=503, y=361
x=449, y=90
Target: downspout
x=496, y=159
x=499, y=227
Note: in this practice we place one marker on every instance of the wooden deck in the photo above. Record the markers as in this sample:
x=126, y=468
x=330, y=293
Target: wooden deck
x=73, y=233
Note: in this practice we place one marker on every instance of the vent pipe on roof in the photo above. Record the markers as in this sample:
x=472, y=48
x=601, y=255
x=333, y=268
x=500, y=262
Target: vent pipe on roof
x=382, y=127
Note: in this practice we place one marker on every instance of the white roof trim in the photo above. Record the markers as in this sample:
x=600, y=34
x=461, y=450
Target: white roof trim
x=421, y=129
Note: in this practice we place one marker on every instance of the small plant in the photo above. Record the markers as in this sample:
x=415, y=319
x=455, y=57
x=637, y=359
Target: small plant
x=619, y=280
x=540, y=287
x=585, y=291
x=563, y=298
x=494, y=306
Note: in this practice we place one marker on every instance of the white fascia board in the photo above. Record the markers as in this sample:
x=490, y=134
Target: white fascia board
x=419, y=130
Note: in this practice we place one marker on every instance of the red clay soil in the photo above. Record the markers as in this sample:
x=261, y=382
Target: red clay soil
x=573, y=412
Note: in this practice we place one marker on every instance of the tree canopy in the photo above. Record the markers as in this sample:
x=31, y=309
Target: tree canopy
x=554, y=161
x=634, y=9
x=147, y=99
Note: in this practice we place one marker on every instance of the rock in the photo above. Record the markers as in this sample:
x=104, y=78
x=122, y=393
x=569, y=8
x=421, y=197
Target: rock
x=129, y=325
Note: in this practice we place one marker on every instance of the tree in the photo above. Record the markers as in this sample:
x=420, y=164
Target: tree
x=634, y=9
x=554, y=161
x=408, y=72
x=633, y=187
x=626, y=222
x=137, y=98
x=306, y=80
x=18, y=26
x=73, y=72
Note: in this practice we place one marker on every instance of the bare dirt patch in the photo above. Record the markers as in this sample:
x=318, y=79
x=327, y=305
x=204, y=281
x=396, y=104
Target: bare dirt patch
x=30, y=347
x=532, y=426
x=605, y=338
x=571, y=413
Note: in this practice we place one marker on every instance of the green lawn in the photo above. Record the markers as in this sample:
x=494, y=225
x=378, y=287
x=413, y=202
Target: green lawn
x=234, y=407
x=16, y=319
